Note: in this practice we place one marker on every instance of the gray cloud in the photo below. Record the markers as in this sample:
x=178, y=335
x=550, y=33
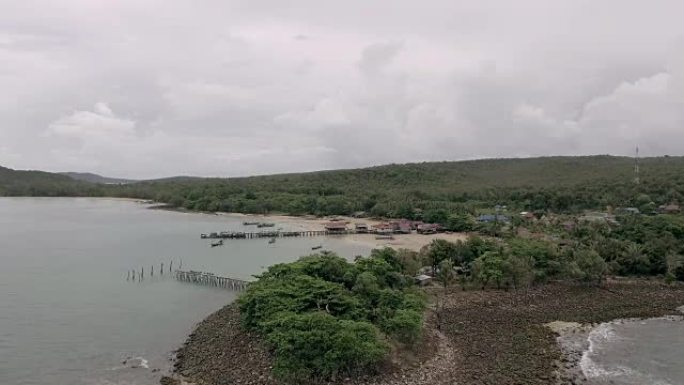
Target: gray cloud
x=152, y=88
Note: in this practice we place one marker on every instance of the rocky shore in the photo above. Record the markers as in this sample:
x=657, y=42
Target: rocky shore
x=472, y=337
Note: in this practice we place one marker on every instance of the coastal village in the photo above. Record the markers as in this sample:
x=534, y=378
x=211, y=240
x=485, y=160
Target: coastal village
x=387, y=229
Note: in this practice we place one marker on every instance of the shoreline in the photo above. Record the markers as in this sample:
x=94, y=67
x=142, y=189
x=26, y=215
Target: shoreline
x=574, y=342
x=413, y=241
x=486, y=336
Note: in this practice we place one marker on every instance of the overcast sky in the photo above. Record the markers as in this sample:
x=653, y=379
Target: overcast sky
x=152, y=88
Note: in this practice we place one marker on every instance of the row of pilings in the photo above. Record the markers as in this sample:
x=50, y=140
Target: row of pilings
x=138, y=275
x=271, y=234
x=209, y=279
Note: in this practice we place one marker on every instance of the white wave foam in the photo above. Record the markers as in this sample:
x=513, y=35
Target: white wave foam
x=143, y=362
x=136, y=362
x=600, y=336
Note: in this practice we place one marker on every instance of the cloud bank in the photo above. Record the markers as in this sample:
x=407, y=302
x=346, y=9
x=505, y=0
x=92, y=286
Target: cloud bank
x=152, y=88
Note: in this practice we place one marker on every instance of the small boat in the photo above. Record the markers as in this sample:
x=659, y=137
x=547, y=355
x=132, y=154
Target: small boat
x=250, y=223
x=264, y=224
x=317, y=247
x=219, y=243
x=272, y=240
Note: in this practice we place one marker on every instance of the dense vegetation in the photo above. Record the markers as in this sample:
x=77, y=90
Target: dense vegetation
x=38, y=183
x=637, y=245
x=325, y=317
x=434, y=192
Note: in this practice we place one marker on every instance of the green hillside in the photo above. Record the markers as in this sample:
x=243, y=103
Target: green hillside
x=554, y=183
x=429, y=190
x=39, y=183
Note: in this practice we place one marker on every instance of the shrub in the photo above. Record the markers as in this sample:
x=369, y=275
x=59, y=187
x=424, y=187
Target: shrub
x=325, y=317
x=317, y=345
x=405, y=326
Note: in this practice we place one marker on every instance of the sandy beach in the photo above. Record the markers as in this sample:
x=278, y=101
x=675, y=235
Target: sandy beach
x=411, y=241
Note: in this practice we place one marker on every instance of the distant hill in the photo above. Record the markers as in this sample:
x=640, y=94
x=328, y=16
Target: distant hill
x=548, y=183
x=439, y=189
x=94, y=178
x=40, y=183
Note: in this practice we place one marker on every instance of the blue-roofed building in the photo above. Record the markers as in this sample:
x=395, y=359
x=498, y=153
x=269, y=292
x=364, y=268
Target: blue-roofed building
x=488, y=218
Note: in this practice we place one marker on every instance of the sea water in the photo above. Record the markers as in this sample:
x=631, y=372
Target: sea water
x=636, y=352
x=68, y=314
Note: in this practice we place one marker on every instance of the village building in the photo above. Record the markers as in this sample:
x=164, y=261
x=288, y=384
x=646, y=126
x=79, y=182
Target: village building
x=361, y=228
x=415, y=224
x=423, y=280
x=336, y=227
x=669, y=209
x=598, y=217
x=428, y=228
x=490, y=218
x=630, y=211
x=383, y=229
x=402, y=226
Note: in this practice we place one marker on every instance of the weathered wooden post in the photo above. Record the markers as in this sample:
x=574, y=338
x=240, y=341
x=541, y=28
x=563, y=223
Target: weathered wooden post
x=142, y=273
x=152, y=271
x=161, y=269
x=171, y=266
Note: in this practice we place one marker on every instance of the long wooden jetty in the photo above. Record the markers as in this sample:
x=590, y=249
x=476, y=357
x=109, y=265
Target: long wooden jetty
x=272, y=234
x=209, y=279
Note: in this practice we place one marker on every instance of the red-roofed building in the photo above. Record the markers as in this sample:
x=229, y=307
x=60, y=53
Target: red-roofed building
x=383, y=228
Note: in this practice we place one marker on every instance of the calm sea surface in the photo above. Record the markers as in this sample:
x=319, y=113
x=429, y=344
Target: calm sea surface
x=68, y=316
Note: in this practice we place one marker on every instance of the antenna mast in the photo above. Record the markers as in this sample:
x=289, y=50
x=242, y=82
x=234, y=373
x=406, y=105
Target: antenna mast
x=636, y=167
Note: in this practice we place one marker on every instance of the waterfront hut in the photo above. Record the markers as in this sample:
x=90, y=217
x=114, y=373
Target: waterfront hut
x=383, y=229
x=336, y=227
x=361, y=228
x=428, y=228
x=402, y=226
x=415, y=224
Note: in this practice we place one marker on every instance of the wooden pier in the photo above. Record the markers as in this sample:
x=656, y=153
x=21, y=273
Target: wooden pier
x=272, y=234
x=209, y=279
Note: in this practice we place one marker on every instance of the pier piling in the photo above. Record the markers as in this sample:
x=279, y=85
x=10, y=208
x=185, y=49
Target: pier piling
x=209, y=279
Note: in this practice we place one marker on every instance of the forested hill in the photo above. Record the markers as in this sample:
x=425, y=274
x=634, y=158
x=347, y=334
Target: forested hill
x=39, y=183
x=552, y=183
x=94, y=178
